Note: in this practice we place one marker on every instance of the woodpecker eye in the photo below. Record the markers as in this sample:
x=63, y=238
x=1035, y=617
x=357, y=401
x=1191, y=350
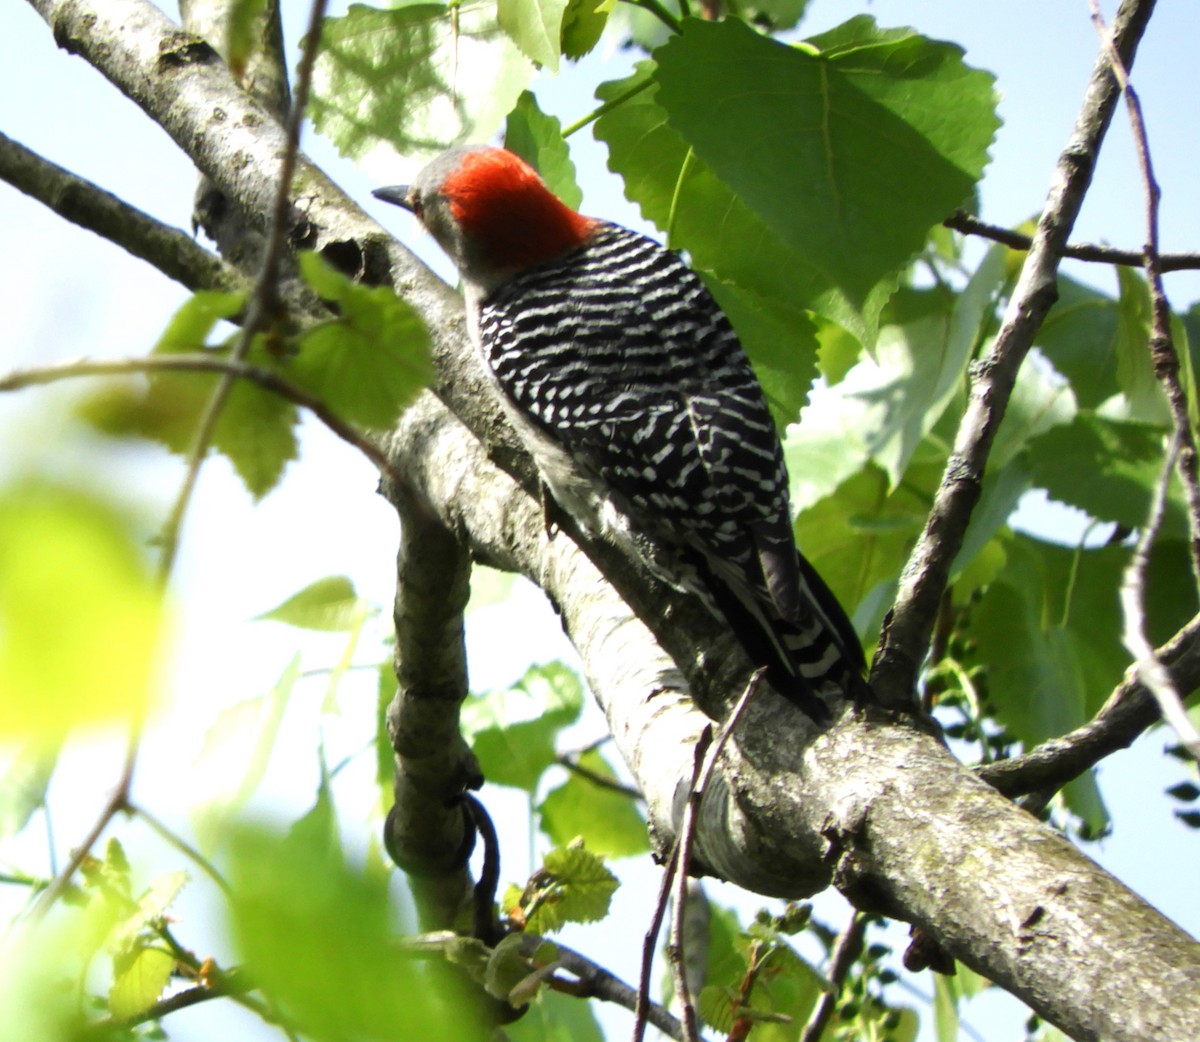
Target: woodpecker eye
x=415, y=205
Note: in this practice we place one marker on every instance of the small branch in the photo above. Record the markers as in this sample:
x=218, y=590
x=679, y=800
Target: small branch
x=604, y=985
x=261, y=312
x=172, y=251
x=117, y=802
x=569, y=761
x=1133, y=601
x=174, y=1003
x=846, y=949
x=1162, y=345
x=968, y=224
x=687, y=836
x=705, y=757
x=185, y=848
x=906, y=635
x=201, y=363
x=1129, y=711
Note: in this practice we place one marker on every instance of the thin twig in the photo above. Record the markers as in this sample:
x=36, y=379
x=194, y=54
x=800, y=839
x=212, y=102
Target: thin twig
x=172, y=1004
x=1182, y=454
x=1162, y=345
x=969, y=224
x=707, y=757
x=602, y=984
x=905, y=639
x=180, y=844
x=846, y=949
x=569, y=761
x=267, y=379
x=263, y=305
x=1133, y=600
x=117, y=802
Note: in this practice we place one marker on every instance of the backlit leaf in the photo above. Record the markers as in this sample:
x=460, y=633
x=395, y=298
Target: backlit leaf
x=81, y=617
x=416, y=76
x=328, y=604
x=371, y=361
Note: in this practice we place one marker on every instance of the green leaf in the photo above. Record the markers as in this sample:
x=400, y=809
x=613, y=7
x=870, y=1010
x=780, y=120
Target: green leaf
x=779, y=14
x=945, y=1009
x=317, y=935
x=23, y=787
x=234, y=758
x=489, y=586
x=513, y=732
x=417, y=77
x=1041, y=400
x=138, y=981
x=536, y=27
x=328, y=604
x=537, y=138
x=255, y=430
x=77, y=600
x=1058, y=608
x=554, y=1017
x=1108, y=469
x=242, y=33
x=1080, y=337
x=680, y=193
x=860, y=536
x=1144, y=400
x=190, y=326
x=372, y=361
x=861, y=141
x=132, y=933
x=608, y=821
x=884, y=406
x=572, y=886
x=583, y=25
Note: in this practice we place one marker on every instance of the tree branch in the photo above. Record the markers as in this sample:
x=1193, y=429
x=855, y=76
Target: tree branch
x=906, y=634
x=969, y=224
x=1129, y=711
x=429, y=831
x=846, y=950
x=172, y=251
x=264, y=378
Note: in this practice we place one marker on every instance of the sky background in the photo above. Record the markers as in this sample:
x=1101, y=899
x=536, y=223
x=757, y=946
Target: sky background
x=66, y=293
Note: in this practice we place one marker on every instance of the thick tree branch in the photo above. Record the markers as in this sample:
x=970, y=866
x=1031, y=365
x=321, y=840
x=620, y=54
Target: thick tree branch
x=905, y=640
x=429, y=832
x=172, y=251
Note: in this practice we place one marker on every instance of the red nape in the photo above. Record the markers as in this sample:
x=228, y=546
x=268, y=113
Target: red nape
x=501, y=203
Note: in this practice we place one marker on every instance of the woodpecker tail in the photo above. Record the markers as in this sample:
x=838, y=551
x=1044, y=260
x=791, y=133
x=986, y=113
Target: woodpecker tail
x=816, y=651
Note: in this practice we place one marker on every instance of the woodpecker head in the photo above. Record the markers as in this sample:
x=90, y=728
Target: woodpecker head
x=491, y=213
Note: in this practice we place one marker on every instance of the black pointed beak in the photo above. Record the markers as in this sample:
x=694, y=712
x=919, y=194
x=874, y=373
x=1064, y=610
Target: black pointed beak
x=395, y=194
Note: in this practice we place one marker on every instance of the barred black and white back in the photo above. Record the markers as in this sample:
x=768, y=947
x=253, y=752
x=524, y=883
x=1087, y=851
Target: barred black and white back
x=639, y=405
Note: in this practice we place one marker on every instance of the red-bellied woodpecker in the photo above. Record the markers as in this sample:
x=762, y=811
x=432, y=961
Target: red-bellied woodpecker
x=630, y=388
